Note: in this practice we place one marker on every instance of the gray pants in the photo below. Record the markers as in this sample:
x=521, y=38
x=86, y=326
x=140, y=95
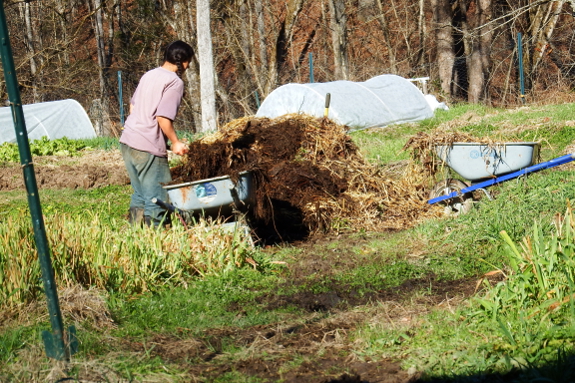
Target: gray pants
x=147, y=174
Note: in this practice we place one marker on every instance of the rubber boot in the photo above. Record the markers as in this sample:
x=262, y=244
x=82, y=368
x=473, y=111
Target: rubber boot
x=136, y=215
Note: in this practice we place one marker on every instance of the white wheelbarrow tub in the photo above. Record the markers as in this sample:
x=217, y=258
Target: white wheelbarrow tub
x=212, y=196
x=475, y=161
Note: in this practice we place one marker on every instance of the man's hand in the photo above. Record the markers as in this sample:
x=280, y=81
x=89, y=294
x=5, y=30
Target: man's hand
x=180, y=148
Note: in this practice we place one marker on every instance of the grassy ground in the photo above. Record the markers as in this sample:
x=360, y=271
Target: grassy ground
x=406, y=297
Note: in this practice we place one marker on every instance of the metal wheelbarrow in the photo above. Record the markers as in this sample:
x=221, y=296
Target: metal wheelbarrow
x=485, y=165
x=217, y=197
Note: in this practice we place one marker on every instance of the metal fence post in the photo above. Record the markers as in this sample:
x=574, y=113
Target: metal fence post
x=53, y=341
x=521, y=75
x=311, y=79
x=121, y=98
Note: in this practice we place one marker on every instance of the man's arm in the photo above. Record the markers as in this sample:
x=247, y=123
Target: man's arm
x=178, y=147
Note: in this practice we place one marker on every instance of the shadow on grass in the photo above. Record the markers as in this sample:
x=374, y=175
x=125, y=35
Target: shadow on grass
x=560, y=370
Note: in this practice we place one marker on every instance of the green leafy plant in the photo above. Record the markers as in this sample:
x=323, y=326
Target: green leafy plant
x=541, y=272
x=42, y=147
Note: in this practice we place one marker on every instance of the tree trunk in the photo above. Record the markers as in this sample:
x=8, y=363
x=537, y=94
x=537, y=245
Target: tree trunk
x=443, y=33
x=61, y=9
x=29, y=39
x=421, y=28
x=207, y=73
x=480, y=41
x=338, y=22
x=104, y=123
x=283, y=43
x=263, y=60
x=386, y=39
x=543, y=34
x=180, y=19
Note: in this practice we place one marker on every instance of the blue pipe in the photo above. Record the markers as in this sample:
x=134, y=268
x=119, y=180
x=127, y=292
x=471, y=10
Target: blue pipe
x=492, y=181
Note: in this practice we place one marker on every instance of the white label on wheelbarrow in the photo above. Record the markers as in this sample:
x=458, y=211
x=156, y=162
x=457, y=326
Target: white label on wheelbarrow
x=475, y=154
x=206, y=192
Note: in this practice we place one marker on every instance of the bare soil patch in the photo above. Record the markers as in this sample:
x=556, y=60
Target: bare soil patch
x=314, y=351
x=93, y=169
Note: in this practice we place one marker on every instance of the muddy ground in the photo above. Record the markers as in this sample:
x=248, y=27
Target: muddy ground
x=320, y=338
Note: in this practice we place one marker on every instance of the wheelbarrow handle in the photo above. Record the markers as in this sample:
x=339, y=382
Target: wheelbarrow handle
x=164, y=205
x=531, y=169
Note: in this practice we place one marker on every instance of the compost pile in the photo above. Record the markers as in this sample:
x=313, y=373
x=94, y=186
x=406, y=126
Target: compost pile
x=308, y=176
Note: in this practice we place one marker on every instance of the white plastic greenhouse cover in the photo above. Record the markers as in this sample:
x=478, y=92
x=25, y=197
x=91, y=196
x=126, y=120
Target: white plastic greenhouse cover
x=54, y=119
x=380, y=101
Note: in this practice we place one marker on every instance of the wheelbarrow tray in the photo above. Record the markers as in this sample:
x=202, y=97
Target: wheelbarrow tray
x=212, y=196
x=475, y=161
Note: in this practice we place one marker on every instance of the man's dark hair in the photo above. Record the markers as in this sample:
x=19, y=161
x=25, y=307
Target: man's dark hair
x=178, y=52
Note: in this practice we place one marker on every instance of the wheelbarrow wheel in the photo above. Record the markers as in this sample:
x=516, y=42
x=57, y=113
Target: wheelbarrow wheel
x=453, y=206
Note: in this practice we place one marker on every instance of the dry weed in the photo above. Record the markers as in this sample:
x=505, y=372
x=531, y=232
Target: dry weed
x=78, y=305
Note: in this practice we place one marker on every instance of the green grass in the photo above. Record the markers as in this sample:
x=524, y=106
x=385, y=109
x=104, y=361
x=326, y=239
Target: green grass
x=384, y=145
x=203, y=304
x=112, y=201
x=10, y=343
x=447, y=345
x=452, y=341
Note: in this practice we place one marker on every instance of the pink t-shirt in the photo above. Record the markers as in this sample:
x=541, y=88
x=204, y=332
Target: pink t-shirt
x=159, y=93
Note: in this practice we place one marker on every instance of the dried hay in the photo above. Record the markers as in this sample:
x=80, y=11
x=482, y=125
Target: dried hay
x=82, y=305
x=569, y=149
x=76, y=304
x=310, y=165
x=422, y=147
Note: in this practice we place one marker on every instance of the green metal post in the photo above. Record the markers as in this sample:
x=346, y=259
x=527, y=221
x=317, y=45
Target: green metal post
x=311, y=79
x=257, y=99
x=121, y=98
x=54, y=342
x=521, y=75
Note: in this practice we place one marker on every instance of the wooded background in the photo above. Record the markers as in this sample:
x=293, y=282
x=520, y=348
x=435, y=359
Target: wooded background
x=468, y=48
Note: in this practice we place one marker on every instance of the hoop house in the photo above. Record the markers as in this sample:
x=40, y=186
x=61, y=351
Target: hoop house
x=381, y=101
x=54, y=119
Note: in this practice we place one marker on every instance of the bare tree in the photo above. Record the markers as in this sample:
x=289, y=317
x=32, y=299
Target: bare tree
x=444, y=42
x=103, y=127
x=338, y=23
x=468, y=45
x=421, y=29
x=30, y=45
x=263, y=59
x=207, y=73
x=480, y=45
x=544, y=25
x=283, y=42
x=382, y=18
